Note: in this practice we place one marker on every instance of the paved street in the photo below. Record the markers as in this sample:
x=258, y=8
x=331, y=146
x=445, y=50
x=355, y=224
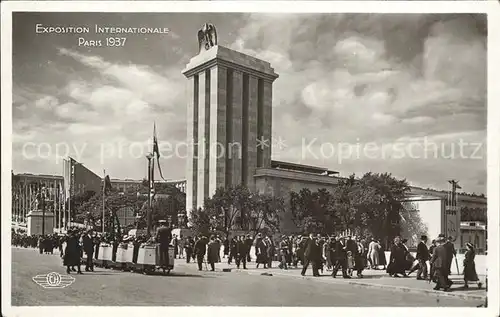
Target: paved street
x=186, y=286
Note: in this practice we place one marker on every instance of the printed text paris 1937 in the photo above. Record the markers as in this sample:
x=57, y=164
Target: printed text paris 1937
x=105, y=36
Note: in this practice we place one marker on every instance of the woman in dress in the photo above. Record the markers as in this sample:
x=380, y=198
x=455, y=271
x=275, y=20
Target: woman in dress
x=381, y=255
x=260, y=251
x=328, y=253
x=270, y=251
x=397, y=260
x=470, y=274
x=72, y=256
x=373, y=254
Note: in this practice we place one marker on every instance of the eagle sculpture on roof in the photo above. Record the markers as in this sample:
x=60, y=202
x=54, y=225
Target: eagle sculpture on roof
x=207, y=37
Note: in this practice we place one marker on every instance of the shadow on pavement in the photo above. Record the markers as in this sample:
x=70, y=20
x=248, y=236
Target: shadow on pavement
x=462, y=289
x=179, y=274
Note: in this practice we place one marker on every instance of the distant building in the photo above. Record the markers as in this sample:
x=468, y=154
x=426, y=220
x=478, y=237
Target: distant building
x=473, y=232
x=78, y=178
x=126, y=216
x=75, y=178
x=125, y=185
x=26, y=186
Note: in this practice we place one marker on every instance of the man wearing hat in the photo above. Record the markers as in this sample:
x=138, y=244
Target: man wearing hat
x=88, y=248
x=200, y=249
x=284, y=244
x=163, y=237
x=451, y=252
x=422, y=257
x=241, y=252
x=312, y=254
x=439, y=263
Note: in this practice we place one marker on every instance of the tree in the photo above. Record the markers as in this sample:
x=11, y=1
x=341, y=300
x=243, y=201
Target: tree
x=371, y=205
x=237, y=208
x=299, y=205
x=113, y=202
x=265, y=211
x=80, y=198
x=314, y=211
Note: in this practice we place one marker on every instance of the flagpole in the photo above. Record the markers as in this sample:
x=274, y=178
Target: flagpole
x=103, y=200
x=150, y=197
x=70, y=186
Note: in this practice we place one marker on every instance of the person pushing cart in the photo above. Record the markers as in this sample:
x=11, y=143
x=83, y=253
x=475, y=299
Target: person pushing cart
x=163, y=238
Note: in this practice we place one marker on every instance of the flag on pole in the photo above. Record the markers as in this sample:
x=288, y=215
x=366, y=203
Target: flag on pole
x=156, y=150
x=107, y=185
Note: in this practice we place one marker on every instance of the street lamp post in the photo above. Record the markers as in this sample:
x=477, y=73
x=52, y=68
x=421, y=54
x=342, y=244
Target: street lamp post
x=42, y=200
x=150, y=196
x=137, y=221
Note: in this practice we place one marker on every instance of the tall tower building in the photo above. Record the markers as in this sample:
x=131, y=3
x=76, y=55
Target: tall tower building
x=229, y=115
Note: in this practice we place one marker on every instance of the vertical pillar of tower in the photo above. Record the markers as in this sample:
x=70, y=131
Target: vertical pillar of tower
x=252, y=130
x=267, y=122
x=192, y=140
x=236, y=142
x=218, y=94
x=202, y=136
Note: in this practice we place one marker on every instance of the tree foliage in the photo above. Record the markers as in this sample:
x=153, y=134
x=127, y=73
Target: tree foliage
x=371, y=205
x=237, y=208
x=167, y=203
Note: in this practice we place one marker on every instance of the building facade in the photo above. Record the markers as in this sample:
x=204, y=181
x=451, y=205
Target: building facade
x=25, y=188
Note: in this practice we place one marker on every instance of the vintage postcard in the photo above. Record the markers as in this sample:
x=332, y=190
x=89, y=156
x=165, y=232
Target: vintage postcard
x=292, y=157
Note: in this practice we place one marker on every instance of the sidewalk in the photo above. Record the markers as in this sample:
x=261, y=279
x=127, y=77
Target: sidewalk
x=377, y=279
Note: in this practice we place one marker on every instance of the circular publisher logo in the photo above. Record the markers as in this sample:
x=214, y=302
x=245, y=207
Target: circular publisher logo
x=54, y=279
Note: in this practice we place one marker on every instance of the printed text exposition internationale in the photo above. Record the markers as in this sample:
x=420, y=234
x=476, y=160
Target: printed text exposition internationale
x=99, y=29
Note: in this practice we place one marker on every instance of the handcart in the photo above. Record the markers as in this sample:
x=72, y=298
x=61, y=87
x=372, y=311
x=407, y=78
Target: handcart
x=131, y=256
x=148, y=259
x=104, y=258
x=120, y=262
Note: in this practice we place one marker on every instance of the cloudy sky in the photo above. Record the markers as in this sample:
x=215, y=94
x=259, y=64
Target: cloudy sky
x=399, y=93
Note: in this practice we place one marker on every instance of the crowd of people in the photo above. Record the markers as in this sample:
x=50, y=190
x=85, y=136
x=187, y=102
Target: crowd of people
x=44, y=243
x=346, y=254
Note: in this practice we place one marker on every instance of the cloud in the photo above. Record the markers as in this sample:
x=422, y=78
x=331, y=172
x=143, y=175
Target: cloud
x=359, y=84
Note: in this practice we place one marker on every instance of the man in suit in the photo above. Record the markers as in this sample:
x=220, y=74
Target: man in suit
x=188, y=246
x=241, y=252
x=340, y=259
x=163, y=237
x=311, y=255
x=200, y=249
x=422, y=258
x=439, y=262
x=450, y=253
x=284, y=252
x=233, y=249
x=88, y=248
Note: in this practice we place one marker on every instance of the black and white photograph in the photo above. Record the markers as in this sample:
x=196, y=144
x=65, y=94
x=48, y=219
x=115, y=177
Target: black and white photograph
x=176, y=156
